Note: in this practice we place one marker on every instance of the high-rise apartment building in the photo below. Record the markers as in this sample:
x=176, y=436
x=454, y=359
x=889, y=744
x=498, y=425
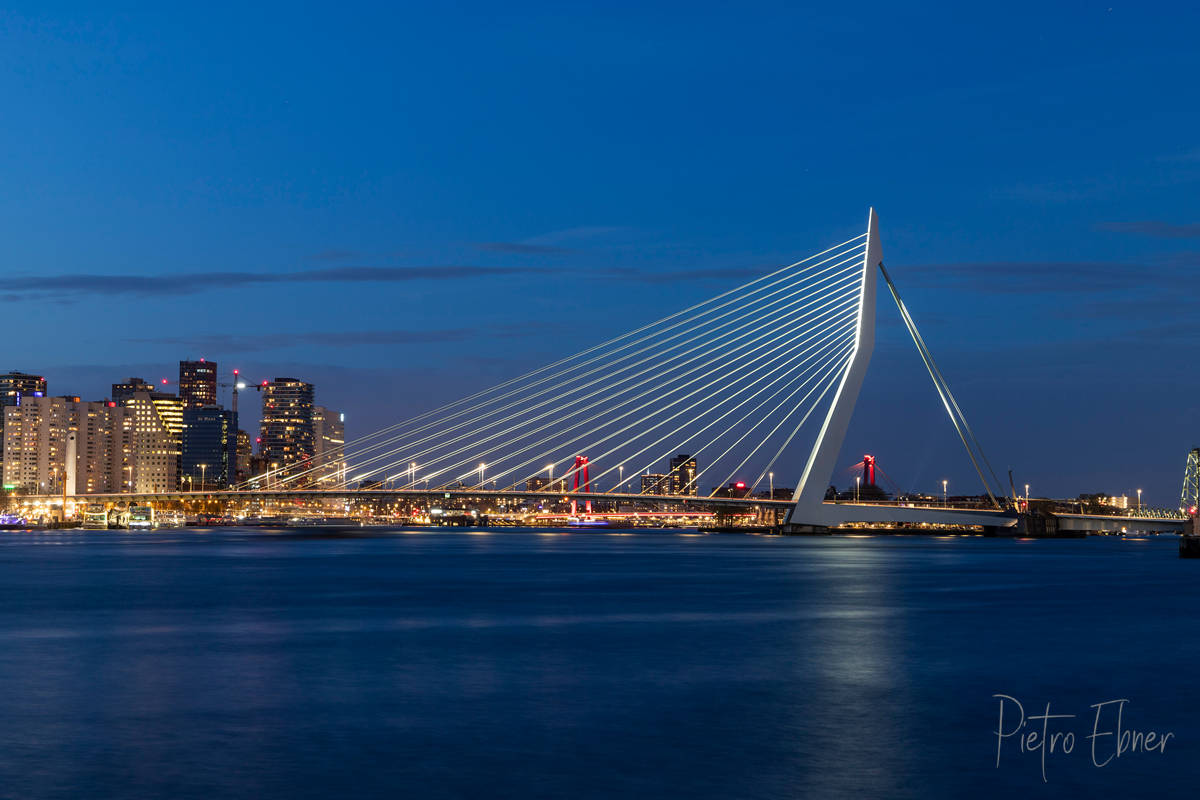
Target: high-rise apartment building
x=36, y=436
x=287, y=436
x=60, y=444
x=208, y=448
x=683, y=475
x=329, y=441
x=198, y=383
x=102, y=448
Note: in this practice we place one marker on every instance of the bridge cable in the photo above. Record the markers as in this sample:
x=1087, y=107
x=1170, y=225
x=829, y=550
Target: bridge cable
x=952, y=408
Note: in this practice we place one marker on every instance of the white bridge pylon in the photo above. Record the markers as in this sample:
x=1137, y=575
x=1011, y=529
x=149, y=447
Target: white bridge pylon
x=810, y=507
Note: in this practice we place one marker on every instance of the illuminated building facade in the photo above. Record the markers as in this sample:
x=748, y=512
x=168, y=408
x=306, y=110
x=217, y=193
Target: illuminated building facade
x=245, y=452
x=654, y=483
x=198, y=383
x=208, y=448
x=287, y=423
x=683, y=475
x=329, y=441
x=123, y=391
x=152, y=449
x=15, y=385
x=35, y=443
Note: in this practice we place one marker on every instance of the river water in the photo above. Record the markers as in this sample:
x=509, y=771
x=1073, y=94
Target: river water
x=233, y=663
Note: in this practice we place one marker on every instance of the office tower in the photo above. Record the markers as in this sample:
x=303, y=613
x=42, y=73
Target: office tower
x=653, y=483
x=208, y=448
x=287, y=424
x=198, y=383
x=15, y=385
x=683, y=475
x=329, y=441
x=123, y=391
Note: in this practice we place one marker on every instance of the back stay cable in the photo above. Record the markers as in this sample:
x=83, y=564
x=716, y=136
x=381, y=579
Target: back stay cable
x=952, y=408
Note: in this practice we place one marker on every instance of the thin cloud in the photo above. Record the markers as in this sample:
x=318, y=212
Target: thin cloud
x=1069, y=277
x=336, y=255
x=553, y=243
x=522, y=248
x=732, y=276
x=192, y=282
x=1154, y=228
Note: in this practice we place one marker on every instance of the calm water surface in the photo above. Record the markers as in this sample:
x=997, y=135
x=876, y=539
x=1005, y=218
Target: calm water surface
x=249, y=664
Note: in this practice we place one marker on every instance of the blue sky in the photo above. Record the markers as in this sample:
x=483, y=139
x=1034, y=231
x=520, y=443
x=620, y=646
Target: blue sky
x=404, y=203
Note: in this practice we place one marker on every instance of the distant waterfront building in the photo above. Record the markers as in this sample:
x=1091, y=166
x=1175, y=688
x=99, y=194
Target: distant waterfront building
x=542, y=484
x=654, y=483
x=15, y=385
x=102, y=448
x=170, y=406
x=287, y=437
x=62, y=445
x=198, y=383
x=734, y=489
x=35, y=443
x=152, y=461
x=329, y=441
x=244, y=455
x=208, y=449
x=168, y=409
x=123, y=391
x=683, y=475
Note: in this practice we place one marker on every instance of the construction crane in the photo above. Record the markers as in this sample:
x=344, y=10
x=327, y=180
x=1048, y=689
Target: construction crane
x=237, y=385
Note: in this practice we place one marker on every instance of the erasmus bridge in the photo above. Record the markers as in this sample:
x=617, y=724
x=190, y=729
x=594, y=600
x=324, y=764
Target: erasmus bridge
x=762, y=375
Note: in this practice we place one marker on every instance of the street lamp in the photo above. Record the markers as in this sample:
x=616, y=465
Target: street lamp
x=857, y=482
x=1139, y=499
x=482, y=467
x=771, y=478
x=550, y=470
x=203, y=467
x=1027, y=496
x=945, y=483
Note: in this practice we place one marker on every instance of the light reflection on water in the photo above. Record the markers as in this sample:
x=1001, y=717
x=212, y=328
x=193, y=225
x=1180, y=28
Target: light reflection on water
x=306, y=663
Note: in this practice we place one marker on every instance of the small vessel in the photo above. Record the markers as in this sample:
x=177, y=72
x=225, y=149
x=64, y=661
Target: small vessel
x=588, y=522
x=142, y=517
x=95, y=517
